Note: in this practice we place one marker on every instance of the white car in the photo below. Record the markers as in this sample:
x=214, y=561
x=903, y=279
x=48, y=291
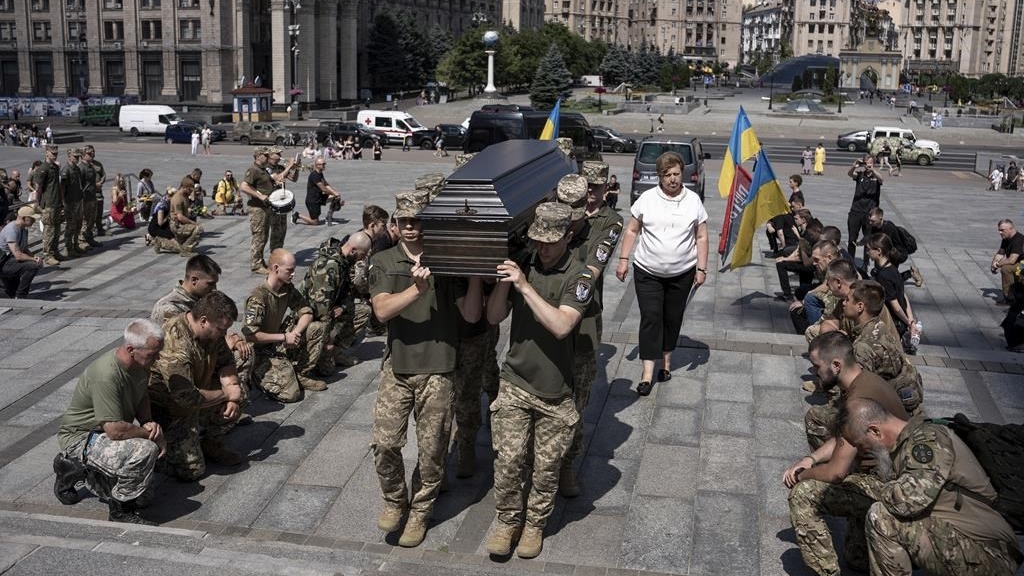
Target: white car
x=897, y=132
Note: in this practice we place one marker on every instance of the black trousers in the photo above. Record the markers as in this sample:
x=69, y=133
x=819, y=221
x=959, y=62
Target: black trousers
x=857, y=226
x=806, y=274
x=17, y=277
x=662, y=303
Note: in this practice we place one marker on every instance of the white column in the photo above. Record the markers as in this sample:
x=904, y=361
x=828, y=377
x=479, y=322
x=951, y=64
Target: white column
x=490, y=89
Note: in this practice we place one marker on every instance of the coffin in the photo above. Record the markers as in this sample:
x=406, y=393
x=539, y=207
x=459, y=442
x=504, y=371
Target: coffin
x=480, y=217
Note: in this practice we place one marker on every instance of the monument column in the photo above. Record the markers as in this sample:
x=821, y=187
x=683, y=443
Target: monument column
x=348, y=51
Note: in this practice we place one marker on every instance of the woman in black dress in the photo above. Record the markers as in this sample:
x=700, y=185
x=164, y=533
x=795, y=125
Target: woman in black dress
x=879, y=250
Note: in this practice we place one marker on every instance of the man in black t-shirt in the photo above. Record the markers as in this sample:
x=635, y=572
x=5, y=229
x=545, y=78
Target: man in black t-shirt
x=1005, y=259
x=900, y=250
x=782, y=230
x=867, y=190
x=318, y=193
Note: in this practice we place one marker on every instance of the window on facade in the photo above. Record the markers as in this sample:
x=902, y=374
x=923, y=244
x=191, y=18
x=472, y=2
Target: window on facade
x=188, y=3
x=113, y=30
x=152, y=30
x=8, y=31
x=41, y=31
x=76, y=31
x=189, y=30
x=150, y=4
x=40, y=5
x=112, y=4
x=831, y=28
x=6, y=5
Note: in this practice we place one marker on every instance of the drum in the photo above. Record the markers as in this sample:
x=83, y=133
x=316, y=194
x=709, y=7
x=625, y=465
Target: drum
x=281, y=201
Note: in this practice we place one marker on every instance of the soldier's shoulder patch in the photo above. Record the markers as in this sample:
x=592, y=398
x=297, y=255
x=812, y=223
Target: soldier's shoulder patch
x=583, y=290
x=923, y=453
x=613, y=232
x=251, y=315
x=602, y=253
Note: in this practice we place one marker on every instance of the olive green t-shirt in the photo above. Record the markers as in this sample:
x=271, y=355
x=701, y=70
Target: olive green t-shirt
x=265, y=311
x=71, y=180
x=537, y=361
x=605, y=231
x=422, y=339
x=88, y=175
x=583, y=250
x=257, y=177
x=47, y=180
x=106, y=392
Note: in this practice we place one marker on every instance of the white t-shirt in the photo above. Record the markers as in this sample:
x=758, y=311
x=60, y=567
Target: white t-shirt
x=668, y=238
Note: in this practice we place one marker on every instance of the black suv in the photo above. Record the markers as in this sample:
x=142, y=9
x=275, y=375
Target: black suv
x=609, y=139
x=645, y=175
x=339, y=131
x=497, y=123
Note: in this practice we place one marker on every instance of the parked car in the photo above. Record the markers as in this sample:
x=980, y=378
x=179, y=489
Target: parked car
x=262, y=133
x=339, y=131
x=856, y=141
x=907, y=133
x=910, y=151
x=645, y=175
x=499, y=122
x=609, y=139
x=454, y=135
x=181, y=133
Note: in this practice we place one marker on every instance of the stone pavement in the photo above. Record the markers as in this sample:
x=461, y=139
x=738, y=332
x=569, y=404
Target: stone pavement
x=685, y=481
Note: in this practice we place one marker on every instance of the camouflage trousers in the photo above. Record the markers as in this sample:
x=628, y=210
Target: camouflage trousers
x=818, y=424
x=277, y=371
x=352, y=320
x=51, y=218
x=811, y=500
x=263, y=223
x=184, y=458
x=187, y=235
x=129, y=463
x=166, y=244
x=72, y=225
x=896, y=546
x=89, y=219
x=476, y=371
x=428, y=397
x=584, y=374
x=521, y=422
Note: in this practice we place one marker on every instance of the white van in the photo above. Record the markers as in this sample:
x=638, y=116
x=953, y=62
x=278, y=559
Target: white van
x=399, y=126
x=146, y=119
x=897, y=132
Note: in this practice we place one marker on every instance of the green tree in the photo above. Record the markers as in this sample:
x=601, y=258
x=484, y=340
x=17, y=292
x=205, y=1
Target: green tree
x=831, y=81
x=552, y=80
x=386, y=61
x=465, y=65
x=415, y=49
x=439, y=42
x=615, y=66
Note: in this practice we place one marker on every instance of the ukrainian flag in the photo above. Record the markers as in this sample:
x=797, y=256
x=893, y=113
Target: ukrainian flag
x=743, y=145
x=764, y=202
x=550, y=131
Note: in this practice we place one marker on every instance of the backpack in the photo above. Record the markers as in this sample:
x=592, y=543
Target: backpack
x=907, y=240
x=999, y=449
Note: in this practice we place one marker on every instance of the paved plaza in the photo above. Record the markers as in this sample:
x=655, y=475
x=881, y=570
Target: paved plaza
x=687, y=481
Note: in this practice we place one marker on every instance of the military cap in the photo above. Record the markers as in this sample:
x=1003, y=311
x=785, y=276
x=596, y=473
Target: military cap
x=595, y=172
x=76, y=152
x=565, y=145
x=409, y=204
x=52, y=148
x=431, y=183
x=260, y=151
x=461, y=159
x=275, y=150
x=572, y=191
x=550, y=222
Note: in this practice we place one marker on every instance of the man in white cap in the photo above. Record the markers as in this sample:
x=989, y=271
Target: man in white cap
x=18, y=265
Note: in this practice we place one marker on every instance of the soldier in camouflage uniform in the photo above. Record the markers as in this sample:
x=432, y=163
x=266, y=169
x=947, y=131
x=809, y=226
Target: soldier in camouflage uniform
x=46, y=180
x=258, y=185
x=565, y=145
x=933, y=512
x=476, y=372
x=89, y=153
x=287, y=348
x=99, y=441
x=417, y=374
x=92, y=192
x=875, y=346
x=830, y=481
x=535, y=408
x=194, y=385
x=186, y=230
x=461, y=159
x=201, y=277
x=327, y=287
x=71, y=183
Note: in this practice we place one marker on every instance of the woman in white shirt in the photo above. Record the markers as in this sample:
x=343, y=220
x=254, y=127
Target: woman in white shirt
x=671, y=259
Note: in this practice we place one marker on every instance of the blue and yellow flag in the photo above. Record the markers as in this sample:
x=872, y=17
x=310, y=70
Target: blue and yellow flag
x=743, y=145
x=550, y=131
x=764, y=202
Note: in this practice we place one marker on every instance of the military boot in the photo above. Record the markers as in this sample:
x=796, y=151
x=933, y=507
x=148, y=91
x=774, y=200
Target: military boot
x=308, y=383
x=125, y=512
x=500, y=542
x=52, y=260
x=69, y=472
x=94, y=243
x=915, y=273
x=567, y=485
x=467, y=460
x=390, y=518
x=532, y=542
x=84, y=247
x=215, y=451
x=414, y=533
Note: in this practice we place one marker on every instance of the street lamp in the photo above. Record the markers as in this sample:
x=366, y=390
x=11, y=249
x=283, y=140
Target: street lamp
x=294, y=30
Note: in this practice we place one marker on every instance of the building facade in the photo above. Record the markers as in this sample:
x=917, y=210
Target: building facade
x=820, y=27
x=761, y=31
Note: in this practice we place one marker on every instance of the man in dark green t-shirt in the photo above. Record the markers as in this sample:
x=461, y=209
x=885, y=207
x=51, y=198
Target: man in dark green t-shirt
x=98, y=435
x=535, y=397
x=421, y=313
